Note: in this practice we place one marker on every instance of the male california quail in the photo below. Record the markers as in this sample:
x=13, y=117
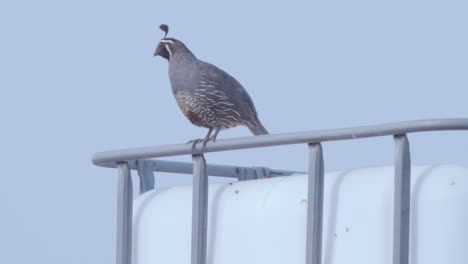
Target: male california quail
x=208, y=96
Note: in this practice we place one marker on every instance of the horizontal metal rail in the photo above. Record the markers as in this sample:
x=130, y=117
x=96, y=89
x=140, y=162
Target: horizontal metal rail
x=314, y=136
x=138, y=159
x=213, y=170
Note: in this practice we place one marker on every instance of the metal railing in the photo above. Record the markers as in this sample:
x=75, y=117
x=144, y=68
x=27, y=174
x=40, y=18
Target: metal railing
x=139, y=159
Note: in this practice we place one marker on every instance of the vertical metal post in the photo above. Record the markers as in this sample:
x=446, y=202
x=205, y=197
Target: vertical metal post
x=124, y=214
x=315, y=205
x=401, y=210
x=146, y=176
x=199, y=209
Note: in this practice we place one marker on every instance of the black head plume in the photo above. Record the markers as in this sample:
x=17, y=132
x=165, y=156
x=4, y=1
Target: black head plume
x=164, y=28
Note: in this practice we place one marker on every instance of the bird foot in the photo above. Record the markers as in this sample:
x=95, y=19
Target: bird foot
x=203, y=140
x=196, y=141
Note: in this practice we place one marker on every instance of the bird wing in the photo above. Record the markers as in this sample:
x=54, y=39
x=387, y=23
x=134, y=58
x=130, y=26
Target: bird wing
x=227, y=93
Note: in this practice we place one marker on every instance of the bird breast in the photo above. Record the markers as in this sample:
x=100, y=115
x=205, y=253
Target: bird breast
x=208, y=108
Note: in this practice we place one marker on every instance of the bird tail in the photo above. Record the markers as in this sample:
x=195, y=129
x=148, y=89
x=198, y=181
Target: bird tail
x=258, y=129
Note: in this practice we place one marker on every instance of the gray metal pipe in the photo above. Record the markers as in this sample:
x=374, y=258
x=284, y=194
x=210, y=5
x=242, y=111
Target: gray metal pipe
x=315, y=205
x=124, y=214
x=401, y=208
x=314, y=136
x=187, y=168
x=199, y=210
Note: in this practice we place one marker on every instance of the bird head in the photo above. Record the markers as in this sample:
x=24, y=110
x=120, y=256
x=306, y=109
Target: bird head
x=167, y=47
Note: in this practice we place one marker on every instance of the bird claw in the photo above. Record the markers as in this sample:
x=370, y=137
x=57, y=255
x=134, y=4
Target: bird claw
x=196, y=141
x=204, y=141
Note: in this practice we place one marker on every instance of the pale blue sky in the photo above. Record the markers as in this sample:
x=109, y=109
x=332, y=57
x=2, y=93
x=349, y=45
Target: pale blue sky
x=79, y=77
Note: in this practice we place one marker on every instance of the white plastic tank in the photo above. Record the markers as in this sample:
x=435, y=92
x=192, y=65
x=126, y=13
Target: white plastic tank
x=264, y=221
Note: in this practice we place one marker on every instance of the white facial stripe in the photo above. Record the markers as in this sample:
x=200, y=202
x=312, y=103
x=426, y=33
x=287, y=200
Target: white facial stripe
x=167, y=41
x=169, y=50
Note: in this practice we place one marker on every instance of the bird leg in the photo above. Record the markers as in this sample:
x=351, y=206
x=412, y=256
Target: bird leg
x=215, y=134
x=204, y=140
x=207, y=138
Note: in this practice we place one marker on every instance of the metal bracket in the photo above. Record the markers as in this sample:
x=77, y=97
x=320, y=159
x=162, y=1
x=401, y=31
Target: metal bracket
x=262, y=172
x=245, y=174
x=253, y=173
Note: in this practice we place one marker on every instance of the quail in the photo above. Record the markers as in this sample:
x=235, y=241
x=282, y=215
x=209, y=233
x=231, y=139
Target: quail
x=208, y=96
